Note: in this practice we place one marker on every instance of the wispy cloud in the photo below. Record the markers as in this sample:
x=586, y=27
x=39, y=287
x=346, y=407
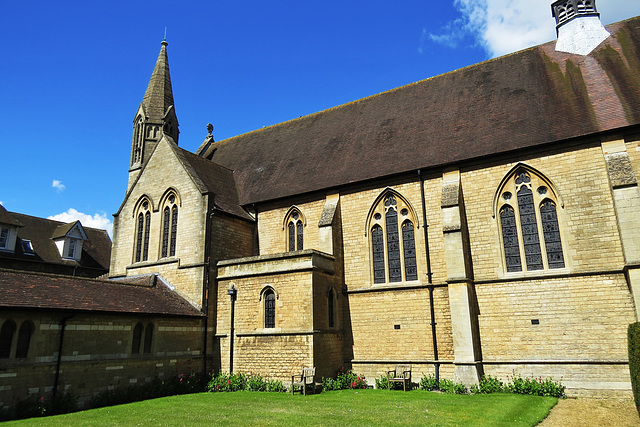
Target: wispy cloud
x=98, y=220
x=58, y=185
x=505, y=26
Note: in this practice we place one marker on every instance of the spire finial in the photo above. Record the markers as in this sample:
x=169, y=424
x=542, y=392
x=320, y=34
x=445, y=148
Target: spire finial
x=165, y=34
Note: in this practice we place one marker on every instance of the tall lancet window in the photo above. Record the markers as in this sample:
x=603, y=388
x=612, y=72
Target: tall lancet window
x=169, y=225
x=528, y=216
x=143, y=225
x=393, y=248
x=294, y=226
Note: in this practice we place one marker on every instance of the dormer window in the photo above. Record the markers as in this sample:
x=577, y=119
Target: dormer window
x=4, y=237
x=71, y=250
x=68, y=239
x=27, y=247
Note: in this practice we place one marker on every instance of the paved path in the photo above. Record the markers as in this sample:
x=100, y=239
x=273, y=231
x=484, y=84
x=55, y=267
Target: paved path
x=583, y=412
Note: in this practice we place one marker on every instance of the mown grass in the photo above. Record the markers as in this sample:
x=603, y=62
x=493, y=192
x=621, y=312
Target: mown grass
x=346, y=407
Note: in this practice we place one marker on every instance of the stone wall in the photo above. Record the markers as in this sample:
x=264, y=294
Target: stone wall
x=97, y=354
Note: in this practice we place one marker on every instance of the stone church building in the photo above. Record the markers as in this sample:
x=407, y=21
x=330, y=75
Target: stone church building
x=481, y=221
x=484, y=221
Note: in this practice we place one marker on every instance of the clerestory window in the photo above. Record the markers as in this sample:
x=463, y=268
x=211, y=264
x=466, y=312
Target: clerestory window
x=393, y=248
x=530, y=230
x=294, y=226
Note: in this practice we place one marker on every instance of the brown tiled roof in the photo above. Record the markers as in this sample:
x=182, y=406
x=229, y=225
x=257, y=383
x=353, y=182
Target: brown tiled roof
x=63, y=229
x=96, y=250
x=215, y=179
x=526, y=99
x=22, y=290
x=8, y=218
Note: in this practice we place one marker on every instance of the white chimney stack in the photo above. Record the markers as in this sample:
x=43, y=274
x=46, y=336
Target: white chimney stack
x=578, y=26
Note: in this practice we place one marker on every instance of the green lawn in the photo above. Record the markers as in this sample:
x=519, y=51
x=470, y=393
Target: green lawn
x=347, y=407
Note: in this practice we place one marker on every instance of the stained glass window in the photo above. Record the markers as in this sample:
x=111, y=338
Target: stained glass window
x=147, y=226
x=299, y=235
x=139, y=238
x=165, y=232
x=378, y=254
x=174, y=230
x=510, y=238
x=526, y=222
x=408, y=243
x=292, y=237
x=393, y=246
x=529, y=226
x=551, y=231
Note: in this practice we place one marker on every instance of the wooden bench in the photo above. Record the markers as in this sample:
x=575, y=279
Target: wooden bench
x=402, y=374
x=304, y=380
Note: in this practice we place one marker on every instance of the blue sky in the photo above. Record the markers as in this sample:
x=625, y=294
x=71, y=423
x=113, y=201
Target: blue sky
x=72, y=74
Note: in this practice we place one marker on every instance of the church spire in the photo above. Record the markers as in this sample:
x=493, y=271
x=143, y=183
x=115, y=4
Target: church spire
x=156, y=115
x=159, y=96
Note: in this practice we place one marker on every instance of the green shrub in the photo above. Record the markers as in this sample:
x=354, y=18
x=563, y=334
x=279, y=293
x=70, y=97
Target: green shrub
x=382, y=382
x=536, y=387
x=488, y=384
x=40, y=406
x=239, y=381
x=634, y=361
x=344, y=380
x=429, y=383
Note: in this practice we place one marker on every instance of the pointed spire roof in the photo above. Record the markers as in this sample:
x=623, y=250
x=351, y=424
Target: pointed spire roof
x=159, y=95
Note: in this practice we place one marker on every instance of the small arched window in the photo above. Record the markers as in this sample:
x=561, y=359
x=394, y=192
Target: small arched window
x=269, y=308
x=529, y=225
x=331, y=308
x=169, y=226
x=143, y=225
x=24, y=340
x=137, y=339
x=393, y=248
x=6, y=338
x=148, y=338
x=295, y=229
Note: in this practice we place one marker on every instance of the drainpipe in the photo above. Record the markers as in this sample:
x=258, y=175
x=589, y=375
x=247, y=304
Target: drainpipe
x=205, y=288
x=63, y=325
x=430, y=279
x=232, y=292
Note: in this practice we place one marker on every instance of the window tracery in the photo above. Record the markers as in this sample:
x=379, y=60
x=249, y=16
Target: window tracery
x=143, y=226
x=529, y=224
x=294, y=225
x=169, y=225
x=392, y=228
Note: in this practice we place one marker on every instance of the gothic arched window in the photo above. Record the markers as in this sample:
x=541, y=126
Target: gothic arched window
x=169, y=225
x=137, y=339
x=143, y=225
x=269, y=308
x=148, y=338
x=393, y=249
x=294, y=226
x=529, y=225
x=6, y=338
x=24, y=339
x=331, y=307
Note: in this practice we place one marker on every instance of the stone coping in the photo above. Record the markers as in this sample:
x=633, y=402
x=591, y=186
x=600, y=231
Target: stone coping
x=282, y=263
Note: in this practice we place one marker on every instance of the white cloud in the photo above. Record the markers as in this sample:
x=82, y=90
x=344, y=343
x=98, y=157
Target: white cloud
x=505, y=26
x=58, y=185
x=96, y=221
